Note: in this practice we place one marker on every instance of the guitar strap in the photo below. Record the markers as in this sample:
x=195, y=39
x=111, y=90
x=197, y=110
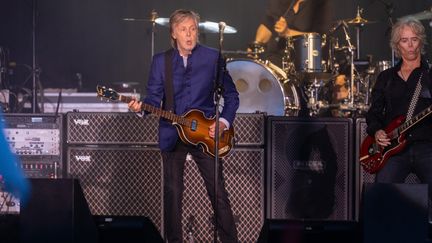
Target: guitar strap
x=414, y=98
x=168, y=84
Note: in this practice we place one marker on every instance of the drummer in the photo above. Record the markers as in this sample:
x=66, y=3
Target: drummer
x=288, y=18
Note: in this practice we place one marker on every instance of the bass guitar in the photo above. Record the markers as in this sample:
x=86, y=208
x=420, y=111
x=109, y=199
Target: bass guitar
x=192, y=127
x=373, y=156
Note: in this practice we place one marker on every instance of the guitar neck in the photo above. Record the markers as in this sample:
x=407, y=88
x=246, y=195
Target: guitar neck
x=417, y=118
x=157, y=111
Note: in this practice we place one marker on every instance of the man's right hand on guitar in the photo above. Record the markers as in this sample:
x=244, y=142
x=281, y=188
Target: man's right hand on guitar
x=381, y=138
x=135, y=105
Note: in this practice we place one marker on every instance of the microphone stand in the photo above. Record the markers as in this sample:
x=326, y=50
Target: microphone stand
x=154, y=16
x=221, y=69
x=34, y=93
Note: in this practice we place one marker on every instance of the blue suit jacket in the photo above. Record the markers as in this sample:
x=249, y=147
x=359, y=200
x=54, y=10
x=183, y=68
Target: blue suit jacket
x=193, y=89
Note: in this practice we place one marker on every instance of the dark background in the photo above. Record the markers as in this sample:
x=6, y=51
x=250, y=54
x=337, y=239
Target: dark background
x=90, y=38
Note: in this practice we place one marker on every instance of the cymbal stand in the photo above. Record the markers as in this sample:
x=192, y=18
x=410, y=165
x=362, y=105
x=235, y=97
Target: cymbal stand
x=358, y=30
x=351, y=49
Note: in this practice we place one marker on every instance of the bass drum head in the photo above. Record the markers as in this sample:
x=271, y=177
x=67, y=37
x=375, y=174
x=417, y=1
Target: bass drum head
x=263, y=88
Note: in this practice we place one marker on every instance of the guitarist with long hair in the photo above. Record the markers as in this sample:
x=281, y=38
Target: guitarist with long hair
x=193, y=69
x=399, y=129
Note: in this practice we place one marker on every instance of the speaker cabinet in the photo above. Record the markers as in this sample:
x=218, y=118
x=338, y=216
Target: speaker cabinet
x=395, y=213
x=119, y=181
x=56, y=212
x=309, y=173
x=362, y=176
x=244, y=181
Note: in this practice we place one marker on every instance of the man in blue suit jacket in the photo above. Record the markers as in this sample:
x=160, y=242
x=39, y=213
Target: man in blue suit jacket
x=194, y=71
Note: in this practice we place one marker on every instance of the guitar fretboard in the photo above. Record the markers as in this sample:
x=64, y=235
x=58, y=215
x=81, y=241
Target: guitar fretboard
x=159, y=112
x=420, y=116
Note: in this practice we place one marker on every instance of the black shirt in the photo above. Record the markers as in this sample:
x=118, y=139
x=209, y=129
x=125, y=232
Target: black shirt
x=391, y=97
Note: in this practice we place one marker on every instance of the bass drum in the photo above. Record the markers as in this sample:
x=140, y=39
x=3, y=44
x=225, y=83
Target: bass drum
x=263, y=87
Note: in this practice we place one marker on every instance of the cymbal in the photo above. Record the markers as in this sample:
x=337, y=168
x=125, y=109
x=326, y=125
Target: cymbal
x=423, y=15
x=162, y=21
x=205, y=27
x=358, y=20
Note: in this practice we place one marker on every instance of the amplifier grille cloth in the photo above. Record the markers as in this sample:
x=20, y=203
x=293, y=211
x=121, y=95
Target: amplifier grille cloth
x=310, y=169
x=249, y=129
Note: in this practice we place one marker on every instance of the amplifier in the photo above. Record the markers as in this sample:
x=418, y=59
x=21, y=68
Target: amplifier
x=37, y=140
x=111, y=128
x=84, y=128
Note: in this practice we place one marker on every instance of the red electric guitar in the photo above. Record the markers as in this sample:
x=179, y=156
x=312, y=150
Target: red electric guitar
x=192, y=127
x=373, y=157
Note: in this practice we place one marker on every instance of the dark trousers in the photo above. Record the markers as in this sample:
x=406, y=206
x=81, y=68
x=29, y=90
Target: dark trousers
x=173, y=169
x=415, y=158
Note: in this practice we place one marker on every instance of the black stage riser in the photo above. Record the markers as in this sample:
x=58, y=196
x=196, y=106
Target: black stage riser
x=395, y=213
x=56, y=212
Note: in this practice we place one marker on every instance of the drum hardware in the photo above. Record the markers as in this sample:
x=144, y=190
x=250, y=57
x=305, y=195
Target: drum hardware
x=315, y=104
x=353, y=98
x=287, y=59
x=256, y=49
x=352, y=74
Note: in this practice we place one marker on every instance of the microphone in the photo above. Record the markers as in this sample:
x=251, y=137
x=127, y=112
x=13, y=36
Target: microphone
x=222, y=26
x=221, y=30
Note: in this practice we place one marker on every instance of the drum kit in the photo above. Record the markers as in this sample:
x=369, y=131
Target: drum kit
x=310, y=77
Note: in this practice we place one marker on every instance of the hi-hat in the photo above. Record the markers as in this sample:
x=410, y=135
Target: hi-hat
x=423, y=15
x=205, y=27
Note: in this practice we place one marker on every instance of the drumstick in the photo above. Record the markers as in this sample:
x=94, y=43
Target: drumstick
x=289, y=8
